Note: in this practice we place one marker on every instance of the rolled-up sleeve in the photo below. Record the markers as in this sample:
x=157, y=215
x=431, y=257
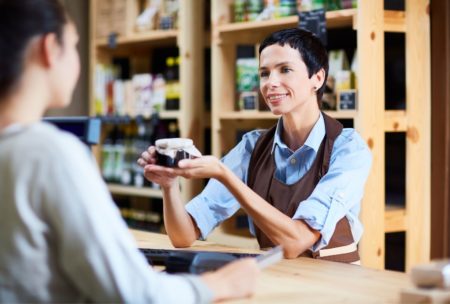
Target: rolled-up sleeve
x=215, y=203
x=339, y=192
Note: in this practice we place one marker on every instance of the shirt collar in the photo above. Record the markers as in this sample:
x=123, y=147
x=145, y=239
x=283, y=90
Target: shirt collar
x=313, y=141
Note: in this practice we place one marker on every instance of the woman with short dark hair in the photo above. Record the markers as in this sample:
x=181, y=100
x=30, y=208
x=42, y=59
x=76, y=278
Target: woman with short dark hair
x=300, y=182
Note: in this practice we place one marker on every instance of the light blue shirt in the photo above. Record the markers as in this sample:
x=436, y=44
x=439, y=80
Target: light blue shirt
x=337, y=194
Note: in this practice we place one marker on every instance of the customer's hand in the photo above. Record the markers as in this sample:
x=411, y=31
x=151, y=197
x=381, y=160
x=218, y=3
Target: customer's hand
x=234, y=280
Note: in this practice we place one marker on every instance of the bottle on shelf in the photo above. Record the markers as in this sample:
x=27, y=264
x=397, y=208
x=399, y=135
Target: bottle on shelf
x=173, y=129
x=119, y=156
x=138, y=171
x=108, y=157
x=173, y=89
x=126, y=174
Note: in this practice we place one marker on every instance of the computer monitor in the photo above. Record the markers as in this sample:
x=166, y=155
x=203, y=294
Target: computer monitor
x=87, y=129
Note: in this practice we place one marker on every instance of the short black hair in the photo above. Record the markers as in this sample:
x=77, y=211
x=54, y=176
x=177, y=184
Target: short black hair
x=311, y=49
x=20, y=21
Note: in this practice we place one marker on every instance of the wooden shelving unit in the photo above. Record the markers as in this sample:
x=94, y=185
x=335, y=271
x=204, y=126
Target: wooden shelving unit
x=372, y=121
x=134, y=191
x=190, y=40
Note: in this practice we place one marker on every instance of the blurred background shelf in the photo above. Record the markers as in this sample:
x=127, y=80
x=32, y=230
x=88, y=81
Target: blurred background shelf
x=134, y=191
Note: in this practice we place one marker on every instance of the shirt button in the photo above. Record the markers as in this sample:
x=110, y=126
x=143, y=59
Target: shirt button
x=293, y=161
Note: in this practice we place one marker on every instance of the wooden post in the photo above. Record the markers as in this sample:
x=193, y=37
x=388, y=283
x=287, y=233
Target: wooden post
x=418, y=139
x=370, y=123
x=191, y=47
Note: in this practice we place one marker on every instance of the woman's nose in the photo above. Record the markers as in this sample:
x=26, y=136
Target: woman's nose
x=273, y=80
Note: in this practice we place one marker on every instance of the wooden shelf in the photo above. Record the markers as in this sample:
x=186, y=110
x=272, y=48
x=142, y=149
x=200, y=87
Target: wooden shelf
x=141, y=48
x=134, y=191
x=151, y=37
x=394, y=219
x=254, y=31
x=341, y=18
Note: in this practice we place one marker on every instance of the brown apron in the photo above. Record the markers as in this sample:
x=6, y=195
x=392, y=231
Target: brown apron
x=286, y=198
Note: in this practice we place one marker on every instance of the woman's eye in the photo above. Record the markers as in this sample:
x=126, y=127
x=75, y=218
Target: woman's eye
x=263, y=74
x=285, y=70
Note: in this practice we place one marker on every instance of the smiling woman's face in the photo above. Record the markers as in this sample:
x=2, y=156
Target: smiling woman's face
x=284, y=81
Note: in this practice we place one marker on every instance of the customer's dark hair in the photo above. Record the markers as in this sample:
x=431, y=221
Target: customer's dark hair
x=20, y=21
x=311, y=50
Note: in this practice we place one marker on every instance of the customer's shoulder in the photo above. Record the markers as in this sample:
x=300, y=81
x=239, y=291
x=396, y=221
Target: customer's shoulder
x=46, y=139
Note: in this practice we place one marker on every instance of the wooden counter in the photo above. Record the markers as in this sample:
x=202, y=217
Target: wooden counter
x=305, y=280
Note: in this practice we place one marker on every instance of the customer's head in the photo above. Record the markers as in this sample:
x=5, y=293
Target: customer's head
x=38, y=33
x=311, y=50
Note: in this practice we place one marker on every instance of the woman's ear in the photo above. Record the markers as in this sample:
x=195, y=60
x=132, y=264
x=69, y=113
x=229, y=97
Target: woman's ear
x=50, y=49
x=318, y=79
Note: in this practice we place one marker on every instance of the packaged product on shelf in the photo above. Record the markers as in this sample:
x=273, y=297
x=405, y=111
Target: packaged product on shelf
x=119, y=97
x=103, y=88
x=332, y=5
x=130, y=108
x=287, y=8
x=99, y=90
x=337, y=80
x=247, y=83
x=239, y=10
x=159, y=93
x=354, y=69
x=310, y=5
x=248, y=101
x=146, y=20
x=345, y=4
x=269, y=10
x=343, y=80
x=169, y=14
x=337, y=62
x=254, y=8
x=142, y=88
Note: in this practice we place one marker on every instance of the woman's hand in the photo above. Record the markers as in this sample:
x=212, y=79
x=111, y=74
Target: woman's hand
x=201, y=167
x=163, y=176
